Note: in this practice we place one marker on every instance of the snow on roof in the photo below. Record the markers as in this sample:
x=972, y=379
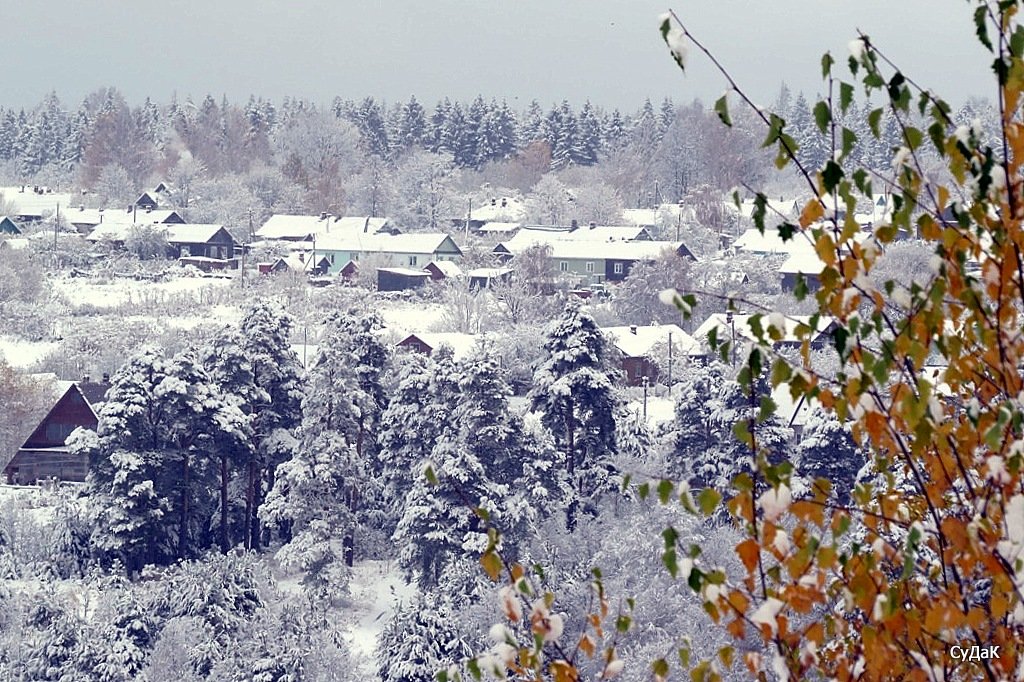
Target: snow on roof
x=447, y=268
x=95, y=216
x=417, y=242
x=637, y=341
x=503, y=209
x=284, y=226
x=528, y=236
x=645, y=250
x=774, y=207
x=499, y=227
x=792, y=412
x=740, y=323
x=640, y=216
x=192, y=233
x=405, y=272
x=488, y=273
x=752, y=241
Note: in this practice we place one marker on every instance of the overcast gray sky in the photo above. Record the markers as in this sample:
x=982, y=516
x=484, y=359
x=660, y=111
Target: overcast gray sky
x=606, y=50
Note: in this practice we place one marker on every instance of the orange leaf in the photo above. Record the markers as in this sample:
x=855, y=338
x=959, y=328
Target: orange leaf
x=749, y=551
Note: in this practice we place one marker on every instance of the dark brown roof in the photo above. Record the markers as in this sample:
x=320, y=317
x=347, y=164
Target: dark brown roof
x=95, y=392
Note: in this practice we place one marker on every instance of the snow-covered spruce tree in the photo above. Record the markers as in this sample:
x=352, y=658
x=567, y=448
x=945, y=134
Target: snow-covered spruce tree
x=696, y=427
x=418, y=641
x=231, y=370
x=827, y=450
x=368, y=357
x=407, y=433
x=574, y=389
x=741, y=410
x=120, y=638
x=69, y=539
x=276, y=369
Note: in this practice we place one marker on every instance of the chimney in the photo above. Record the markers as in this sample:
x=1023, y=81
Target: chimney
x=592, y=224
x=494, y=201
x=632, y=329
x=573, y=225
x=81, y=207
x=106, y=377
x=85, y=378
x=504, y=202
x=323, y=215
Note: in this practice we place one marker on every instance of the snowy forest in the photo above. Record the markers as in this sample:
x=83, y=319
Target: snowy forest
x=277, y=492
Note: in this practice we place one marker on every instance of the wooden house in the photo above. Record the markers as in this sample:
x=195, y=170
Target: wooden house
x=423, y=342
x=591, y=262
x=637, y=345
x=411, y=251
x=444, y=269
x=206, y=240
x=44, y=454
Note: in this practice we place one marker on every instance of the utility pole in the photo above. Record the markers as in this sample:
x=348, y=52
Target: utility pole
x=469, y=216
x=670, y=364
x=646, y=382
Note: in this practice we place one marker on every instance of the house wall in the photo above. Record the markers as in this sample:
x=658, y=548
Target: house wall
x=595, y=274
x=383, y=259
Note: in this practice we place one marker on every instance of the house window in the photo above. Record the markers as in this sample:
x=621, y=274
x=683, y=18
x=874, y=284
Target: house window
x=590, y=266
x=332, y=259
x=563, y=266
x=618, y=268
x=412, y=260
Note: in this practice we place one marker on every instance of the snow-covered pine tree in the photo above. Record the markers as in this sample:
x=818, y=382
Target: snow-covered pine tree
x=827, y=450
x=478, y=462
x=199, y=423
x=266, y=329
x=231, y=371
x=574, y=388
x=418, y=641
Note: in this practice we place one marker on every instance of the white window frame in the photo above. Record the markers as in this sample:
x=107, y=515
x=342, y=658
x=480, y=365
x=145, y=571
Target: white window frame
x=590, y=266
x=619, y=269
x=563, y=266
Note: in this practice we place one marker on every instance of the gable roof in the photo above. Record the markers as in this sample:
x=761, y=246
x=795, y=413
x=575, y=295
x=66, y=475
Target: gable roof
x=447, y=268
x=97, y=216
x=8, y=226
x=194, y=233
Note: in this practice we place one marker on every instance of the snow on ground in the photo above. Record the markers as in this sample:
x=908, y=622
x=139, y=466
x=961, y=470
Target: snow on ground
x=217, y=315
x=123, y=291
x=23, y=354
x=659, y=409
x=377, y=588
x=411, y=317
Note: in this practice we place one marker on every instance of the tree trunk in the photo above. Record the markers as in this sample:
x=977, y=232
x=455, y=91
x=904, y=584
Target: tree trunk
x=249, y=495
x=183, y=547
x=570, y=461
x=225, y=544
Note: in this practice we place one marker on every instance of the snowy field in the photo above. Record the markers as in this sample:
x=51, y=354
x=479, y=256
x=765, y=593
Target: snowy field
x=123, y=291
x=23, y=354
x=412, y=317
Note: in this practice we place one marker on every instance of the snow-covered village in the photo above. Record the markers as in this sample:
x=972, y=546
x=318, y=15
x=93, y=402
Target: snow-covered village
x=478, y=387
